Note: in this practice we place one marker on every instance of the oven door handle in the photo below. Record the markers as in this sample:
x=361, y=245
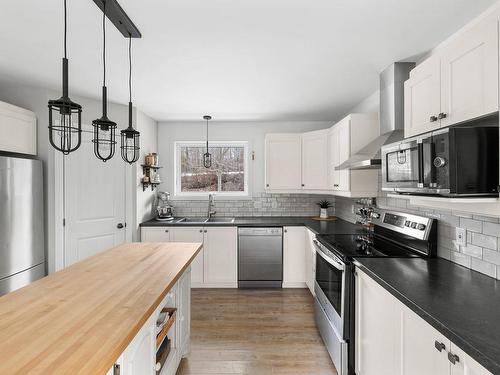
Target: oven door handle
x=334, y=262
x=420, y=149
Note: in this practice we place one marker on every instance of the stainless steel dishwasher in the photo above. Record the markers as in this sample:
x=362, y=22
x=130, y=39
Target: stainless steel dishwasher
x=260, y=257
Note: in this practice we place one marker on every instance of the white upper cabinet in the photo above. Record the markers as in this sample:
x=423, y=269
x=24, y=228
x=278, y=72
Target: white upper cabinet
x=422, y=99
x=345, y=138
x=283, y=162
x=314, y=160
x=458, y=83
x=469, y=75
x=18, y=129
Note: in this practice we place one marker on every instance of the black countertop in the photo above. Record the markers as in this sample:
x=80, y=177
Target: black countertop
x=462, y=304
x=338, y=226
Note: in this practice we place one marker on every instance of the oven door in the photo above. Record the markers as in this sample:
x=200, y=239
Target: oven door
x=330, y=286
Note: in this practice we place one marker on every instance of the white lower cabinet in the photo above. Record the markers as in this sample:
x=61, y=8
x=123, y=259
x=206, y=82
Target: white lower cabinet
x=139, y=358
x=310, y=260
x=216, y=265
x=294, y=257
x=191, y=234
x=392, y=339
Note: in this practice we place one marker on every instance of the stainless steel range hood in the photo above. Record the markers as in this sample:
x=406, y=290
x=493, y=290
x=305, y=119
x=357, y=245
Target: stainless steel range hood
x=391, y=117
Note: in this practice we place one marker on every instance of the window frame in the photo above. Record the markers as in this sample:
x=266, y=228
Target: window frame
x=177, y=169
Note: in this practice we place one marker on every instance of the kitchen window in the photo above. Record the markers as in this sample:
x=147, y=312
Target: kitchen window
x=228, y=175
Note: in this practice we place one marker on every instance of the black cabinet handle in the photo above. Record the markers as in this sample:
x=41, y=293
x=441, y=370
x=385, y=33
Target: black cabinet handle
x=442, y=115
x=267, y=185
x=166, y=230
x=453, y=358
x=201, y=231
x=119, y=225
x=433, y=119
x=303, y=185
x=439, y=346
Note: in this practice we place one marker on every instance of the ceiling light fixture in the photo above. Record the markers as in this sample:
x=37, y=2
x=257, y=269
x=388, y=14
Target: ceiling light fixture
x=104, y=129
x=130, y=137
x=65, y=116
x=207, y=157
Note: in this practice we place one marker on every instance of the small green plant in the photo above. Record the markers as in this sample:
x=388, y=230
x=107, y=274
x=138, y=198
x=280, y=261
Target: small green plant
x=324, y=204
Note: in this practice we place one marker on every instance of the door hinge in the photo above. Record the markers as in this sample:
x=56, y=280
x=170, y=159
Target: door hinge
x=64, y=222
x=116, y=369
x=253, y=155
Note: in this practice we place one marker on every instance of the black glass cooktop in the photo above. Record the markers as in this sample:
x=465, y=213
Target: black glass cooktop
x=349, y=246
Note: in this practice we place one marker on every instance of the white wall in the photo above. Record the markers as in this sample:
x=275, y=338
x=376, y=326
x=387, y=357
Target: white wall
x=252, y=132
x=149, y=143
x=35, y=99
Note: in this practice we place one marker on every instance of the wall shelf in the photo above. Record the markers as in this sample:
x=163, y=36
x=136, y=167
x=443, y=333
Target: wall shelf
x=149, y=171
x=489, y=206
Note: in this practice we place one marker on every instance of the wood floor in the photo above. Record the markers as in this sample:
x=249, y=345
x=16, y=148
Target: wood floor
x=258, y=332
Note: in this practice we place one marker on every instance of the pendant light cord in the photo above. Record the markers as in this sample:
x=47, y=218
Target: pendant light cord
x=104, y=43
x=65, y=30
x=130, y=67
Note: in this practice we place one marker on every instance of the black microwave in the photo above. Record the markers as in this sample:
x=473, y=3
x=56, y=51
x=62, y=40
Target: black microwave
x=458, y=161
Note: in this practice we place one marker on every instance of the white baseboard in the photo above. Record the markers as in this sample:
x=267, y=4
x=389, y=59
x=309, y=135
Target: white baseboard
x=214, y=285
x=294, y=285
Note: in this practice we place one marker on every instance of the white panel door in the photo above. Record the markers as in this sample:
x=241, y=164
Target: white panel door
x=422, y=98
x=315, y=160
x=94, y=201
x=464, y=364
x=294, y=257
x=378, y=339
x=469, y=75
x=283, y=162
x=424, y=350
x=221, y=255
x=191, y=234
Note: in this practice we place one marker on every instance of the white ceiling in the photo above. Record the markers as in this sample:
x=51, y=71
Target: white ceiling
x=234, y=59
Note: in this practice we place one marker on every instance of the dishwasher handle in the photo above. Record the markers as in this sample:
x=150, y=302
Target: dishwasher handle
x=259, y=231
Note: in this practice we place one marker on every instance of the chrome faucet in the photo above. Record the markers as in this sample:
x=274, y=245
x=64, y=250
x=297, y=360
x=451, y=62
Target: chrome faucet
x=211, y=210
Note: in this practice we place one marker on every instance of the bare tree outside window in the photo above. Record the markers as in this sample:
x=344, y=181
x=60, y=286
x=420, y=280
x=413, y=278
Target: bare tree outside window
x=227, y=173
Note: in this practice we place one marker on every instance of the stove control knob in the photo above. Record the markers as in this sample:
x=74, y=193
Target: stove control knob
x=421, y=226
x=413, y=225
x=375, y=215
x=407, y=223
x=439, y=162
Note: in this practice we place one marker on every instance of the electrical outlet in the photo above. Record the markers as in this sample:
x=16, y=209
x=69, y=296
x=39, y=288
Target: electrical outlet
x=460, y=236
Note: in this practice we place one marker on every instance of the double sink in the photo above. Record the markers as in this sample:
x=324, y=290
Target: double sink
x=204, y=220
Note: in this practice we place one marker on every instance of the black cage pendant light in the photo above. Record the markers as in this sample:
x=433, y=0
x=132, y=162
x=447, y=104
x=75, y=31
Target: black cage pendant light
x=104, y=129
x=65, y=116
x=130, y=137
x=207, y=157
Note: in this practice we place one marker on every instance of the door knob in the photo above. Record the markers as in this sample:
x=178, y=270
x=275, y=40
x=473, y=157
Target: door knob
x=119, y=225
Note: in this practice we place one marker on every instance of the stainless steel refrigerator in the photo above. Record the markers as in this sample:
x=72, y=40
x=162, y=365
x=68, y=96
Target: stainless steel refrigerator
x=22, y=247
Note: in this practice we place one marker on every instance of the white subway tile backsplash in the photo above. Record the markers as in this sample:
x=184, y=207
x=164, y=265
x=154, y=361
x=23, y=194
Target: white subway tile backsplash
x=491, y=229
x=484, y=240
x=473, y=251
x=471, y=224
x=484, y=267
x=491, y=256
x=461, y=259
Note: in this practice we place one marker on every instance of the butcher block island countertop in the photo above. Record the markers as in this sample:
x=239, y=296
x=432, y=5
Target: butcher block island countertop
x=79, y=320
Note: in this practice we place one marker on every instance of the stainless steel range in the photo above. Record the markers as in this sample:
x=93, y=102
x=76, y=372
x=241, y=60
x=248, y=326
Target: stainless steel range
x=394, y=234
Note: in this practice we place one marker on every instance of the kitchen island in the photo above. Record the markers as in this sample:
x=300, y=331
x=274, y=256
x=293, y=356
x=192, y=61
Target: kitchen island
x=100, y=313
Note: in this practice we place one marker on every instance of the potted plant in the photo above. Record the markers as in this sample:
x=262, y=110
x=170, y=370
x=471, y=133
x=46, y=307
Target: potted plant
x=324, y=205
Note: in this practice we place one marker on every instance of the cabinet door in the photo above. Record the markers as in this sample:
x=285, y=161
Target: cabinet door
x=192, y=234
x=464, y=364
x=315, y=161
x=140, y=355
x=333, y=158
x=424, y=350
x=310, y=260
x=344, y=152
x=469, y=75
x=184, y=313
x=155, y=234
x=221, y=256
x=18, y=129
x=422, y=98
x=294, y=257
x=378, y=329
x=283, y=162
